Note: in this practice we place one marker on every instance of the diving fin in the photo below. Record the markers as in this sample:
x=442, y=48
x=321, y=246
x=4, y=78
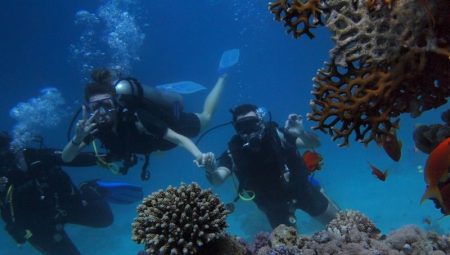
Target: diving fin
x=229, y=58
x=120, y=192
x=181, y=87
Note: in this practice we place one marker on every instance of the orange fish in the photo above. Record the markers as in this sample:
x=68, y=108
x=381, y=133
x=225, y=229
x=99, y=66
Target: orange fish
x=313, y=160
x=378, y=173
x=391, y=145
x=436, y=172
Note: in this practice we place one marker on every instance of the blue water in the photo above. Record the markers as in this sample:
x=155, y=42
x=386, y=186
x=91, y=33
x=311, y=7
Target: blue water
x=46, y=44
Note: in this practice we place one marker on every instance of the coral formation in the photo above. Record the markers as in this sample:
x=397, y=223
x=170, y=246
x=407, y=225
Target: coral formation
x=179, y=220
x=427, y=137
x=384, y=62
x=353, y=233
x=224, y=245
x=347, y=222
x=299, y=16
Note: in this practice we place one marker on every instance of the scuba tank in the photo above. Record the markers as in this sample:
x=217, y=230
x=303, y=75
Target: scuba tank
x=131, y=94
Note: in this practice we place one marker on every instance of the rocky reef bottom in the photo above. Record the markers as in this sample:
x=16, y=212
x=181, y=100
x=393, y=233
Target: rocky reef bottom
x=351, y=233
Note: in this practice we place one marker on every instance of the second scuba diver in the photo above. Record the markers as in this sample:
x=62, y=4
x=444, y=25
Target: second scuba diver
x=269, y=168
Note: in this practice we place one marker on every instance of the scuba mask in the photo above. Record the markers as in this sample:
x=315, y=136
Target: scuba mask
x=251, y=130
x=105, y=108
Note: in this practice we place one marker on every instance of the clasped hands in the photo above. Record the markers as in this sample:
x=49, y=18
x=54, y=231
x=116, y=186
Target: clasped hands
x=206, y=161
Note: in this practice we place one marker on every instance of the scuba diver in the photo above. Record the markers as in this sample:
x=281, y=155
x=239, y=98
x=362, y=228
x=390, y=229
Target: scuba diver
x=130, y=119
x=37, y=198
x=270, y=170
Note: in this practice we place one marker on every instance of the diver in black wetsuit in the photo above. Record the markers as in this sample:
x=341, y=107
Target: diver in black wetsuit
x=270, y=171
x=130, y=119
x=37, y=198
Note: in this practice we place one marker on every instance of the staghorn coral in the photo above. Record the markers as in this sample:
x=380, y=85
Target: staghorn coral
x=300, y=16
x=179, y=220
x=384, y=63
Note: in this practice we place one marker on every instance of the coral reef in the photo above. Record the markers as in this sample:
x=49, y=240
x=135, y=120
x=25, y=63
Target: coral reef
x=224, y=245
x=427, y=137
x=179, y=220
x=384, y=62
x=299, y=16
x=261, y=239
x=347, y=222
x=352, y=233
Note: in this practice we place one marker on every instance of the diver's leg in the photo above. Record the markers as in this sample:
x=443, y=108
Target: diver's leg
x=329, y=214
x=91, y=209
x=55, y=243
x=279, y=214
x=211, y=102
x=314, y=202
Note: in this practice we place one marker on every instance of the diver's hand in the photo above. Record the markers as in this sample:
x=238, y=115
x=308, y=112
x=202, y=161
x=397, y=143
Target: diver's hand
x=206, y=160
x=3, y=183
x=85, y=126
x=294, y=125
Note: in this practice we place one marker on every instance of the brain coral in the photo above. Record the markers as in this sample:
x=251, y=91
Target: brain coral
x=179, y=220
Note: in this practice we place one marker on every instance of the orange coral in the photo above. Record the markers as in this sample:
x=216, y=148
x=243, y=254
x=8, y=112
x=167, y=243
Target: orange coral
x=368, y=100
x=384, y=62
x=297, y=15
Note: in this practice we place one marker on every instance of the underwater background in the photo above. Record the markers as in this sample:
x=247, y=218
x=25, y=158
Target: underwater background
x=48, y=47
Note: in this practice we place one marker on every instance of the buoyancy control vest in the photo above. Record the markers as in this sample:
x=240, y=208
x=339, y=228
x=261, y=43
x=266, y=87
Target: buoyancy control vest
x=263, y=171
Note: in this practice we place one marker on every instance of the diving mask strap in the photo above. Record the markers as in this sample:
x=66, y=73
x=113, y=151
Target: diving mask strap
x=103, y=163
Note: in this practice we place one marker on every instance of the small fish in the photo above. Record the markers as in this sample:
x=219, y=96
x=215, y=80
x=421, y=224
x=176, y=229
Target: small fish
x=378, y=173
x=313, y=161
x=391, y=145
x=427, y=220
x=436, y=172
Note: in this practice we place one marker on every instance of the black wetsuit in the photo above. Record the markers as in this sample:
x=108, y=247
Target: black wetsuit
x=141, y=131
x=262, y=173
x=38, y=202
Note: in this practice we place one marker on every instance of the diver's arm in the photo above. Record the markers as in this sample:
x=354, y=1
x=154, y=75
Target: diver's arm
x=218, y=176
x=294, y=131
x=72, y=149
x=217, y=173
x=307, y=140
x=183, y=141
x=84, y=128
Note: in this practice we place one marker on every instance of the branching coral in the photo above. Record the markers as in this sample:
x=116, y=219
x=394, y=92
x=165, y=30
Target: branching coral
x=179, y=220
x=300, y=16
x=384, y=63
